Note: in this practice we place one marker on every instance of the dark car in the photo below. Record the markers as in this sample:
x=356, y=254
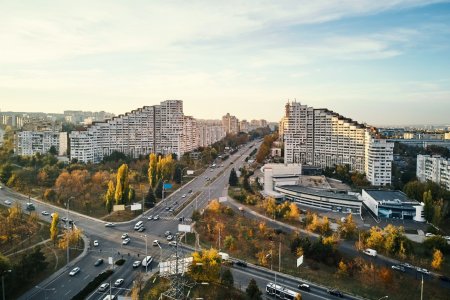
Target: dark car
x=335, y=293
x=444, y=278
x=241, y=263
x=304, y=287
x=98, y=262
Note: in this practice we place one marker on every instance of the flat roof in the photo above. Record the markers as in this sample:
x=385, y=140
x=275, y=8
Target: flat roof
x=390, y=196
x=318, y=192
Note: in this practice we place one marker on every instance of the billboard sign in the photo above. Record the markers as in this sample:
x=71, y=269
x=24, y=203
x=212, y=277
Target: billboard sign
x=184, y=228
x=167, y=186
x=118, y=207
x=190, y=172
x=136, y=206
x=222, y=199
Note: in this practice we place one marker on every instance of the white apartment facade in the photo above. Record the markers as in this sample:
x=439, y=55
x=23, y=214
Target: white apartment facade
x=230, y=123
x=320, y=137
x=29, y=143
x=435, y=169
x=209, y=132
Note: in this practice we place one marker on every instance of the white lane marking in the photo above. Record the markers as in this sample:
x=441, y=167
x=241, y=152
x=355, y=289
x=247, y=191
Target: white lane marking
x=67, y=293
x=87, y=276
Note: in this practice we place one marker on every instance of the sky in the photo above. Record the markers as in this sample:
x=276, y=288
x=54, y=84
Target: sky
x=384, y=62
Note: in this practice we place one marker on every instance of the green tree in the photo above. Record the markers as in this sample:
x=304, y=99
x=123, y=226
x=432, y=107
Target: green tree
x=252, y=291
x=428, y=209
x=177, y=176
x=122, y=185
x=109, y=196
x=150, y=198
x=227, y=278
x=159, y=189
x=131, y=195
x=5, y=264
x=233, y=180
x=53, y=150
x=54, y=228
x=196, y=215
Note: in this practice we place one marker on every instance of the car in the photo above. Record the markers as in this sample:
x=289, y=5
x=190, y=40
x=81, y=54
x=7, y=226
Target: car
x=241, y=208
x=156, y=217
x=110, y=224
x=171, y=210
x=181, y=219
x=429, y=234
x=150, y=217
x=167, y=233
x=184, y=196
x=406, y=265
x=95, y=243
x=172, y=243
x=98, y=262
x=126, y=241
x=190, y=191
x=241, y=263
x=304, y=287
x=168, y=207
x=169, y=237
x=118, y=282
x=7, y=202
x=64, y=219
x=444, y=278
x=447, y=237
x=103, y=287
x=45, y=213
x=136, y=263
x=141, y=229
x=423, y=271
x=74, y=271
x=398, y=268
x=335, y=292
x=155, y=243
x=124, y=236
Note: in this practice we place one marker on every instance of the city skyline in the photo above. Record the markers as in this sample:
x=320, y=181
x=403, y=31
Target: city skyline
x=377, y=63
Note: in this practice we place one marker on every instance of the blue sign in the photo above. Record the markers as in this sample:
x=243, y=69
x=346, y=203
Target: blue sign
x=167, y=186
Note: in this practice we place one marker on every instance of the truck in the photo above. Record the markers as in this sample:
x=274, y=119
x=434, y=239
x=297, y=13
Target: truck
x=370, y=252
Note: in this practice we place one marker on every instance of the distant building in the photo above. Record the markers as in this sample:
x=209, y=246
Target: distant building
x=209, y=132
x=244, y=126
x=230, y=123
x=392, y=204
x=435, y=169
x=33, y=142
x=320, y=137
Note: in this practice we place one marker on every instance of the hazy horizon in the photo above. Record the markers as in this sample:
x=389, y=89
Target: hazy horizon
x=376, y=62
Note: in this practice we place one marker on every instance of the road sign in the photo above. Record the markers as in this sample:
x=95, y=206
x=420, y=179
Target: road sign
x=167, y=186
x=222, y=199
x=110, y=260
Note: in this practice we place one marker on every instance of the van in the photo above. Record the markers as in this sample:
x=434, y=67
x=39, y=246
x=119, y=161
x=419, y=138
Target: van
x=138, y=225
x=108, y=297
x=224, y=256
x=370, y=252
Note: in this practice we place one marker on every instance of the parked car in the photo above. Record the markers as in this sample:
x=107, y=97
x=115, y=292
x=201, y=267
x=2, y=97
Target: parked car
x=167, y=233
x=7, y=202
x=103, y=287
x=95, y=243
x=74, y=271
x=98, y=262
x=45, y=213
x=124, y=236
x=126, y=241
x=118, y=282
x=335, y=292
x=398, y=268
x=304, y=287
x=136, y=263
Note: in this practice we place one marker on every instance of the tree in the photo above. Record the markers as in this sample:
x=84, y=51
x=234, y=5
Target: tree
x=342, y=268
x=376, y=239
x=5, y=264
x=196, y=215
x=229, y=242
x=150, y=198
x=131, y=195
x=152, y=170
x=54, y=228
x=294, y=213
x=109, y=196
x=214, y=206
x=159, y=189
x=233, y=180
x=438, y=258
x=53, y=150
x=122, y=185
x=385, y=275
x=205, y=265
x=252, y=291
x=428, y=208
x=271, y=207
x=177, y=176
x=227, y=278
x=347, y=228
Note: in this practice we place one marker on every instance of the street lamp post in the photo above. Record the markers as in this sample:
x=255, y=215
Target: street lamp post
x=182, y=172
x=3, y=281
x=146, y=252
x=68, y=223
x=45, y=291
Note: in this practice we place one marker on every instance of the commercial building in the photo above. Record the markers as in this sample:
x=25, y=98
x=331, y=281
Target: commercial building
x=393, y=204
x=323, y=138
x=434, y=168
x=33, y=142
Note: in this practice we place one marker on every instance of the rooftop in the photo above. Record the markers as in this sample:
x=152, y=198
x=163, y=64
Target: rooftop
x=390, y=197
x=320, y=192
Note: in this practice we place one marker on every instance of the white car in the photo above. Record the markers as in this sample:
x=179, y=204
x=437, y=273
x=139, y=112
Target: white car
x=150, y=217
x=169, y=237
x=103, y=287
x=447, y=237
x=155, y=243
x=110, y=225
x=156, y=217
x=95, y=243
x=172, y=243
x=124, y=236
x=136, y=263
x=184, y=196
x=45, y=213
x=74, y=271
x=118, y=282
x=429, y=234
x=126, y=241
x=7, y=202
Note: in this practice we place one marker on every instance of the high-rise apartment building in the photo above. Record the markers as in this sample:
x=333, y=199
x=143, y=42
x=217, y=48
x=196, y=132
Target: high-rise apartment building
x=323, y=138
x=230, y=123
x=33, y=142
x=434, y=168
x=209, y=132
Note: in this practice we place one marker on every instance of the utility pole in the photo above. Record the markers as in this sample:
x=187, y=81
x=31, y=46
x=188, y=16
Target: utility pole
x=421, y=290
x=219, y=238
x=68, y=223
x=279, y=257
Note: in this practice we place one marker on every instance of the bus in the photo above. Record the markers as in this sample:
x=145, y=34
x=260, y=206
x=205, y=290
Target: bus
x=281, y=292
